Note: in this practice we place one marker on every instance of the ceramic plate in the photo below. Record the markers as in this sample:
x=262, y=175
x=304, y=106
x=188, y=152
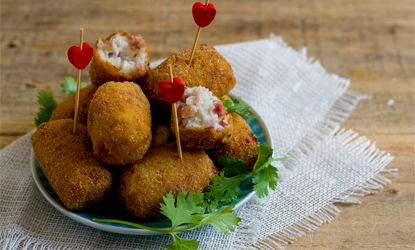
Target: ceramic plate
x=107, y=212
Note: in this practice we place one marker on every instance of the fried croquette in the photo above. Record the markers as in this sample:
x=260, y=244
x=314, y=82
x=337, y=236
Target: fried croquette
x=241, y=144
x=76, y=175
x=142, y=185
x=119, y=123
x=209, y=69
x=203, y=120
x=66, y=109
x=160, y=134
x=120, y=57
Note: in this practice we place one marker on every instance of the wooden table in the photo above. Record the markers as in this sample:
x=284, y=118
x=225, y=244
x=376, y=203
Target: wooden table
x=371, y=42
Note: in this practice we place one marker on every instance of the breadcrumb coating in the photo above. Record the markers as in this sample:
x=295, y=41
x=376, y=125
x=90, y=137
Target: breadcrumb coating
x=209, y=69
x=119, y=123
x=66, y=109
x=241, y=144
x=76, y=175
x=142, y=185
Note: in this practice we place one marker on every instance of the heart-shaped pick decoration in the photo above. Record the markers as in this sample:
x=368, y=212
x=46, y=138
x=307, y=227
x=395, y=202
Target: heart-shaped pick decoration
x=80, y=58
x=203, y=15
x=171, y=92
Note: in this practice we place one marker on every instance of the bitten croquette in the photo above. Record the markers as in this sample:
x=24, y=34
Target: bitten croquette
x=209, y=69
x=119, y=123
x=76, y=175
x=142, y=185
x=203, y=120
x=120, y=57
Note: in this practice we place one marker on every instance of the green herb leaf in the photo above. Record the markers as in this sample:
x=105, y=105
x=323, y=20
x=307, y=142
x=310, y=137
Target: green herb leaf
x=222, y=219
x=70, y=86
x=225, y=189
x=186, y=210
x=179, y=243
x=212, y=206
x=232, y=166
x=237, y=106
x=264, y=179
x=264, y=153
x=48, y=102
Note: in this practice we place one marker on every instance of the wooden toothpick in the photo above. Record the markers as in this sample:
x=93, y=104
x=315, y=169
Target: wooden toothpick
x=194, y=45
x=195, y=41
x=78, y=87
x=176, y=124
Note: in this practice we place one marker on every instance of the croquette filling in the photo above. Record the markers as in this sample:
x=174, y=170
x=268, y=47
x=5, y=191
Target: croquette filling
x=125, y=53
x=199, y=108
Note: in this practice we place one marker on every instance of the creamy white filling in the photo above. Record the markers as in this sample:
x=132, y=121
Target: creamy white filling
x=119, y=52
x=199, y=108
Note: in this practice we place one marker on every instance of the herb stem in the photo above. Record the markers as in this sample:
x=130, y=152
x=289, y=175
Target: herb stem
x=269, y=162
x=132, y=224
x=145, y=227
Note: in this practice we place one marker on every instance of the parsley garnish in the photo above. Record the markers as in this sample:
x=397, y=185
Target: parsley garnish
x=226, y=189
x=189, y=209
x=237, y=106
x=48, y=102
x=70, y=86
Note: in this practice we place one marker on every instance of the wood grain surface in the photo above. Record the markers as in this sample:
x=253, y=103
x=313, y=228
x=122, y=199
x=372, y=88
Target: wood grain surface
x=371, y=42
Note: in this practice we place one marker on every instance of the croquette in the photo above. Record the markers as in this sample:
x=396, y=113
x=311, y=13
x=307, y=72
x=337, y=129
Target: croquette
x=66, y=109
x=208, y=69
x=241, y=144
x=120, y=57
x=119, y=123
x=161, y=134
x=203, y=120
x=76, y=175
x=142, y=185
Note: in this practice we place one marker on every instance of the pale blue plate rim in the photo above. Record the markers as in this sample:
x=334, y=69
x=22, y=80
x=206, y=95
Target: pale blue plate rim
x=136, y=231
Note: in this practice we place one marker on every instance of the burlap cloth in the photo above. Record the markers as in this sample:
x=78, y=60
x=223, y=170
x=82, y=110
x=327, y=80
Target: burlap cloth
x=302, y=105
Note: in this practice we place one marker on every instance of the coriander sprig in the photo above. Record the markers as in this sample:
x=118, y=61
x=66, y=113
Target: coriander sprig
x=189, y=209
x=237, y=106
x=69, y=86
x=226, y=189
x=48, y=102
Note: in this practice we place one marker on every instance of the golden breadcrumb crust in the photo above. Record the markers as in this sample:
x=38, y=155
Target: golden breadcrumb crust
x=209, y=69
x=102, y=71
x=142, y=185
x=76, y=175
x=66, y=109
x=241, y=144
x=119, y=123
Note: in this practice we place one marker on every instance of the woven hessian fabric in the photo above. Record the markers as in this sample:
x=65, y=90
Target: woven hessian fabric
x=303, y=107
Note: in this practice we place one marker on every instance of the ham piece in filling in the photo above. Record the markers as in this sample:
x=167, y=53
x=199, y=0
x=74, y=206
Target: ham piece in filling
x=199, y=108
x=125, y=53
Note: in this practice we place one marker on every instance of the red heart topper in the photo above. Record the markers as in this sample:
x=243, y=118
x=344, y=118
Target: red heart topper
x=171, y=92
x=80, y=58
x=203, y=15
